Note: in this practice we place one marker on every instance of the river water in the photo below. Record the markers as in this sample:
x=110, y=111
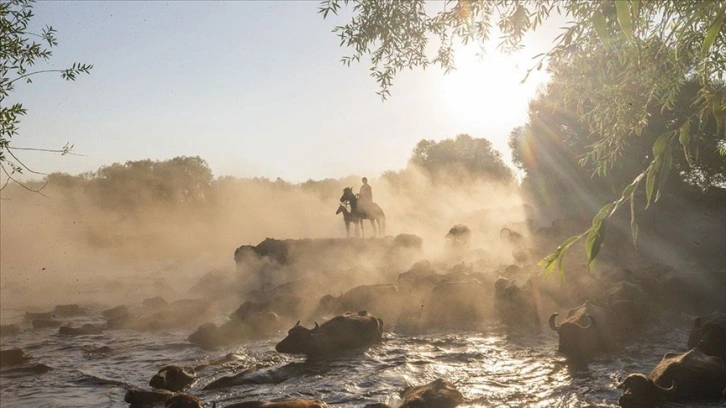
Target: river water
x=491, y=366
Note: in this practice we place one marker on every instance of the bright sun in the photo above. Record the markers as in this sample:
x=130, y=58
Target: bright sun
x=484, y=96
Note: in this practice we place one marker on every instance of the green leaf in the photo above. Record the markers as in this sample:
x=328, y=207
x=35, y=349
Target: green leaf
x=594, y=241
x=630, y=189
x=556, y=258
x=712, y=33
x=604, y=212
x=650, y=183
x=633, y=224
x=684, y=136
x=665, y=169
x=623, y=11
x=598, y=21
x=661, y=143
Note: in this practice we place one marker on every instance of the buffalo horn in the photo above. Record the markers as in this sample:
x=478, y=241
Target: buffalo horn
x=316, y=325
x=298, y=323
x=667, y=391
x=553, y=325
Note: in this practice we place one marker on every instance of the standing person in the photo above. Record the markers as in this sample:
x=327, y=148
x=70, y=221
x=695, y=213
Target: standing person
x=365, y=196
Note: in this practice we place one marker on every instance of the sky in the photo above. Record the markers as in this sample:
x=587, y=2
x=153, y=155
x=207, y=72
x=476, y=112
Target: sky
x=256, y=89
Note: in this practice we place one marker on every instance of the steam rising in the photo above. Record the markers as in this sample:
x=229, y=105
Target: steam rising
x=69, y=249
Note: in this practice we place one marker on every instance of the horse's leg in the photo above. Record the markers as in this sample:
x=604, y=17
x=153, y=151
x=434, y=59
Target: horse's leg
x=347, y=229
x=362, y=229
x=357, y=229
x=373, y=226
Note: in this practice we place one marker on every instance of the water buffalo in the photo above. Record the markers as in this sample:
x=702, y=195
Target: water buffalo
x=709, y=334
x=585, y=332
x=460, y=235
x=172, y=378
x=182, y=400
x=690, y=376
x=347, y=331
x=381, y=300
x=145, y=398
x=291, y=403
x=256, y=324
x=458, y=304
x=627, y=306
x=157, y=314
x=515, y=305
x=437, y=394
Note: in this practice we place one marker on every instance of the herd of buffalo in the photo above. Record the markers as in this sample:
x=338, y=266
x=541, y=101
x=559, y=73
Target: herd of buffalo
x=605, y=311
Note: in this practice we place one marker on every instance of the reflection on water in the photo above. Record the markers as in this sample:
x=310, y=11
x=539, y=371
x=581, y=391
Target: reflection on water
x=491, y=367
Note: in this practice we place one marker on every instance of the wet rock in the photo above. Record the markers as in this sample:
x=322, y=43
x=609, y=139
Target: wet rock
x=116, y=312
x=24, y=370
x=68, y=310
x=173, y=378
x=12, y=357
x=30, y=316
x=9, y=330
x=154, y=302
x=437, y=394
x=45, y=323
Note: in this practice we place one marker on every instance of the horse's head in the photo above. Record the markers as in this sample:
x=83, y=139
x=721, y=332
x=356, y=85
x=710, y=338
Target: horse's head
x=347, y=194
x=341, y=208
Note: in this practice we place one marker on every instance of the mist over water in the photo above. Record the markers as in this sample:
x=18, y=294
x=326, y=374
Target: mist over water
x=56, y=248
x=68, y=248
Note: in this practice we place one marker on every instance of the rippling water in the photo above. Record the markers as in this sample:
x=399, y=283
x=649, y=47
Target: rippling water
x=490, y=366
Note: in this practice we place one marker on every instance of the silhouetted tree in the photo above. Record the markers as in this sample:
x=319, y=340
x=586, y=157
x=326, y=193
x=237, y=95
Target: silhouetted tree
x=463, y=156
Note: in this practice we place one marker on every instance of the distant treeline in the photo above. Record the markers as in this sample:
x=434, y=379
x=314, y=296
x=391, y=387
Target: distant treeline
x=188, y=181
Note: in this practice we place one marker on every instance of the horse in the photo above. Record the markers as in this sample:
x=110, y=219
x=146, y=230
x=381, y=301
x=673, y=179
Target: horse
x=348, y=218
x=371, y=211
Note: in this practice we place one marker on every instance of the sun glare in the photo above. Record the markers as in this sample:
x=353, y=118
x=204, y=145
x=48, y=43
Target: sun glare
x=485, y=93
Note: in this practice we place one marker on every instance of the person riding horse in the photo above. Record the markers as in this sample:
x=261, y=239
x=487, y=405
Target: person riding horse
x=365, y=195
x=368, y=211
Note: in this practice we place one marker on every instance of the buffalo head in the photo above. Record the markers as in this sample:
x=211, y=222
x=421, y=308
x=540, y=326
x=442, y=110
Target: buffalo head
x=713, y=341
x=299, y=340
x=172, y=378
x=639, y=391
x=576, y=340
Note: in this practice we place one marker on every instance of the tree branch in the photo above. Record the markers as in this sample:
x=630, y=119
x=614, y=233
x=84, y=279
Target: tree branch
x=61, y=151
x=26, y=167
x=35, y=72
x=21, y=184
